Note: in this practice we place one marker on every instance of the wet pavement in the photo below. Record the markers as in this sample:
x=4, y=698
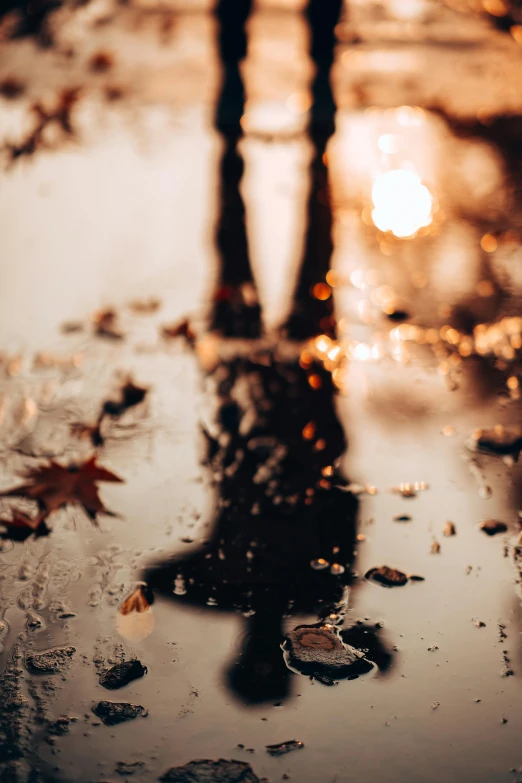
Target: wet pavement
x=262, y=263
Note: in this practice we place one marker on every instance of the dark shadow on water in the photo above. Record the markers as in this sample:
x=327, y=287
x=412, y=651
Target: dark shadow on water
x=283, y=517
x=236, y=310
x=309, y=314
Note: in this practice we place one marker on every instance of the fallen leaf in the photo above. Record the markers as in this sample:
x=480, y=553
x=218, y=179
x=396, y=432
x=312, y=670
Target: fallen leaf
x=138, y=601
x=53, y=487
x=105, y=324
x=145, y=306
x=179, y=329
x=135, y=620
x=59, y=115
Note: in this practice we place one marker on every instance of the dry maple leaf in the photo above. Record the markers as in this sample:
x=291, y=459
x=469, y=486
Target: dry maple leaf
x=53, y=487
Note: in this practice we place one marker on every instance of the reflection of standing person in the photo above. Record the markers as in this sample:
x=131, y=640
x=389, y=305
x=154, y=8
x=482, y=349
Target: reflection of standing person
x=284, y=534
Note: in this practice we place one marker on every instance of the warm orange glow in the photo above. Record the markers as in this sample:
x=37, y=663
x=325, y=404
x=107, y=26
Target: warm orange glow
x=315, y=381
x=495, y=7
x=488, y=243
x=309, y=430
x=516, y=32
x=485, y=288
x=322, y=291
x=305, y=360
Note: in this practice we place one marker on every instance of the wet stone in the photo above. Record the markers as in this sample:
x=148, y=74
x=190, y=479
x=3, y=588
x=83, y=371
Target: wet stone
x=125, y=768
x=493, y=527
x=49, y=662
x=60, y=726
x=386, y=576
x=122, y=674
x=12, y=704
x=113, y=712
x=497, y=441
x=206, y=771
x=284, y=747
x=318, y=651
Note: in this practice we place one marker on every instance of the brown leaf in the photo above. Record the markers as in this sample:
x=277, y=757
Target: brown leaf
x=54, y=487
x=144, y=306
x=179, y=329
x=105, y=324
x=138, y=601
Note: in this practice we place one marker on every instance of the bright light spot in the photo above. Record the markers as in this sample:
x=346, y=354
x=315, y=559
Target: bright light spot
x=362, y=352
x=323, y=343
x=402, y=204
x=407, y=9
x=357, y=278
x=409, y=116
x=387, y=143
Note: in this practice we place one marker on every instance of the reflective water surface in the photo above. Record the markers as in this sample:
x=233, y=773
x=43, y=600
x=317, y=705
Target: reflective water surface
x=262, y=261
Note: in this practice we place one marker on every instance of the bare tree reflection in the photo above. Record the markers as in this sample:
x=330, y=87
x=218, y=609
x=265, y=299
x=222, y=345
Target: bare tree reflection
x=283, y=539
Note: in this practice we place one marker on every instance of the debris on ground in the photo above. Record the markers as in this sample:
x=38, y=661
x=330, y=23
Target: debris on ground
x=113, y=712
x=318, y=651
x=105, y=324
x=122, y=674
x=49, y=662
x=284, y=747
x=493, y=527
x=179, y=329
x=206, y=771
x=125, y=768
x=449, y=529
x=500, y=440
x=387, y=576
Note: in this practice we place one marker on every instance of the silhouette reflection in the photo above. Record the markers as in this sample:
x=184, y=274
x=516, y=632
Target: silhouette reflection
x=284, y=536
